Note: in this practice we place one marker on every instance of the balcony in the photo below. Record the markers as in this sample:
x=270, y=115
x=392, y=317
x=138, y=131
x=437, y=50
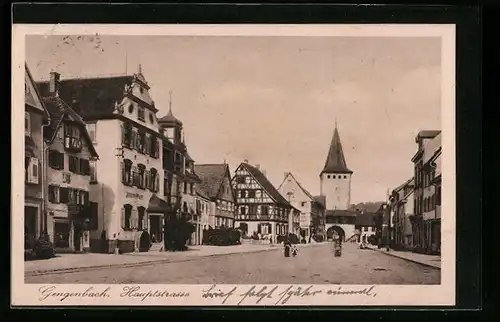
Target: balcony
x=72, y=144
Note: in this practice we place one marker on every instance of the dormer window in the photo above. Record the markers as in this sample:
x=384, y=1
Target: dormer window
x=141, y=113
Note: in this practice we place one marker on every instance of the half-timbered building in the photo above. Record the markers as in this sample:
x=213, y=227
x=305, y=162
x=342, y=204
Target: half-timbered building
x=261, y=209
x=68, y=174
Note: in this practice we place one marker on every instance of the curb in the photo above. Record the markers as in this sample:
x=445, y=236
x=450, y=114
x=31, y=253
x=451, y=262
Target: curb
x=406, y=259
x=138, y=264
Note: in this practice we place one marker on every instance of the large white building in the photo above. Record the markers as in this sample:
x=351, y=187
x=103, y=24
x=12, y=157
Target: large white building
x=126, y=191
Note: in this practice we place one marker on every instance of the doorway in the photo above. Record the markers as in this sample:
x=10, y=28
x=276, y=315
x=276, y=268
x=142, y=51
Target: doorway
x=77, y=237
x=30, y=221
x=155, y=228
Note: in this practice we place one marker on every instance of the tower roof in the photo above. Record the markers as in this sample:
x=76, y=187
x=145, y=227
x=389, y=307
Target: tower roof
x=335, y=161
x=170, y=119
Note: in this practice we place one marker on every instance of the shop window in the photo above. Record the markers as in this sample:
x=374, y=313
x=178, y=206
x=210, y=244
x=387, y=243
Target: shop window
x=62, y=232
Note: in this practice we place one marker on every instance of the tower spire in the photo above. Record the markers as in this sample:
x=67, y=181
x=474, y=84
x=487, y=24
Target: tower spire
x=335, y=160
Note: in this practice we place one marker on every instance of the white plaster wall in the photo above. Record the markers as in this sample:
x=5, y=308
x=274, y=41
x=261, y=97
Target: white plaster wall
x=337, y=191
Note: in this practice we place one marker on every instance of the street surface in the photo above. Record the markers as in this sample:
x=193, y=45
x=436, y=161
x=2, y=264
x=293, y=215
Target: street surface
x=314, y=265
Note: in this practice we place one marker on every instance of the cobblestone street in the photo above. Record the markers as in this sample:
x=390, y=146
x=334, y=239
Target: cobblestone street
x=314, y=265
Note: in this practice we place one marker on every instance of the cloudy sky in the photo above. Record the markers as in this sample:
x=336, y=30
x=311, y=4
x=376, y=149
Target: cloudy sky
x=274, y=100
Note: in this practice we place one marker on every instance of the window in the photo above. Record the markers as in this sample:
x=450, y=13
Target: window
x=127, y=217
x=127, y=135
x=131, y=108
x=240, y=180
x=27, y=124
x=141, y=178
x=191, y=188
x=32, y=171
x=127, y=172
x=91, y=128
x=151, y=118
x=72, y=137
x=154, y=181
x=248, y=180
x=345, y=177
x=258, y=194
x=141, y=113
x=242, y=210
x=140, y=141
x=328, y=176
x=141, y=211
x=334, y=177
x=62, y=231
x=242, y=193
x=93, y=171
x=251, y=194
x=303, y=203
x=56, y=160
x=54, y=194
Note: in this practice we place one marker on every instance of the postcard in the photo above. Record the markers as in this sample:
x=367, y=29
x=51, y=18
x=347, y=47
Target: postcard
x=251, y=165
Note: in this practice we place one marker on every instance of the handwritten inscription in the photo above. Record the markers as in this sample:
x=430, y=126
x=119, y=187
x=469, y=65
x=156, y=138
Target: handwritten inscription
x=51, y=291
x=136, y=292
x=259, y=294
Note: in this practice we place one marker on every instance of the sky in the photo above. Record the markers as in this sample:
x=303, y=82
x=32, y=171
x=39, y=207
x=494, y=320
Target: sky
x=274, y=100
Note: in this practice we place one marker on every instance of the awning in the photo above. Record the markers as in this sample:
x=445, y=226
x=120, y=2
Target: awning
x=157, y=205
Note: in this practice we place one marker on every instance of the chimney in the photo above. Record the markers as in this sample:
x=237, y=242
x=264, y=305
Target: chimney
x=257, y=166
x=54, y=83
x=246, y=160
x=263, y=172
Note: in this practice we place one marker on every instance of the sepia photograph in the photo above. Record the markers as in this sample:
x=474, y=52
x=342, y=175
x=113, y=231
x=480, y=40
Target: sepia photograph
x=311, y=160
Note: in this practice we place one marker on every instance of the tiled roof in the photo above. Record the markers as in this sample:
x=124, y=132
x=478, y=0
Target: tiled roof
x=337, y=213
x=365, y=219
x=335, y=161
x=169, y=119
x=401, y=186
x=265, y=184
x=201, y=193
x=93, y=98
x=212, y=176
x=59, y=110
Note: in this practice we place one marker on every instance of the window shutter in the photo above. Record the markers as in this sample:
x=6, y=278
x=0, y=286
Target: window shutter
x=63, y=195
x=124, y=174
x=51, y=194
x=123, y=134
x=147, y=179
x=123, y=218
x=157, y=148
x=35, y=170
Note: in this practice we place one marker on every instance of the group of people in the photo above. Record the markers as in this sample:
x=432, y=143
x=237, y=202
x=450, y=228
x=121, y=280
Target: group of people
x=290, y=248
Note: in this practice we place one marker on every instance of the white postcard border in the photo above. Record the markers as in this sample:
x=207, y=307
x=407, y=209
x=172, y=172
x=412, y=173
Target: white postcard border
x=386, y=295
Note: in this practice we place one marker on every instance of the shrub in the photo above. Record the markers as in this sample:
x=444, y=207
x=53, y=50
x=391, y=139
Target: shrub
x=294, y=239
x=177, y=232
x=44, y=249
x=221, y=237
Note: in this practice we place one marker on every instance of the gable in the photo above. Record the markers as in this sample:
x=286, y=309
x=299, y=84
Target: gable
x=292, y=191
x=142, y=93
x=30, y=93
x=225, y=189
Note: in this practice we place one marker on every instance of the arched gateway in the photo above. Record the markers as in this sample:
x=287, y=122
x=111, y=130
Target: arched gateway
x=330, y=232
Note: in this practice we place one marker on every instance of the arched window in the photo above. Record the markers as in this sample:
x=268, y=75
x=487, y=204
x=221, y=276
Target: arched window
x=141, y=169
x=153, y=181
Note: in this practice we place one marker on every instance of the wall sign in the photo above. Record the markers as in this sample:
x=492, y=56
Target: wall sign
x=134, y=195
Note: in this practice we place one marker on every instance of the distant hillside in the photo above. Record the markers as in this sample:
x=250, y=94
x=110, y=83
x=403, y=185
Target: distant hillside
x=370, y=206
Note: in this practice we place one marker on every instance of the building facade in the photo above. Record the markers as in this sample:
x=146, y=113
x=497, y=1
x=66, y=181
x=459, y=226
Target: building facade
x=180, y=180
x=312, y=215
x=365, y=226
x=426, y=222
x=401, y=203
x=262, y=210
x=121, y=121
x=216, y=184
x=335, y=186
x=36, y=117
x=70, y=155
